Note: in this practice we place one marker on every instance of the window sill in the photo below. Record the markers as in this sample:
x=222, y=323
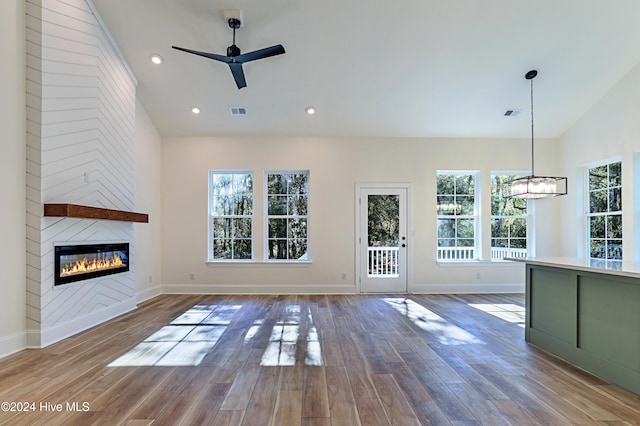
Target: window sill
x=233, y=263
x=470, y=263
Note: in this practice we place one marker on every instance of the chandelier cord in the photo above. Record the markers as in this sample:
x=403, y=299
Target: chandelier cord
x=532, y=151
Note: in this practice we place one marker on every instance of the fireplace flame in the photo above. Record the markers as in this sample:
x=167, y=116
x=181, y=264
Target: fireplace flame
x=84, y=265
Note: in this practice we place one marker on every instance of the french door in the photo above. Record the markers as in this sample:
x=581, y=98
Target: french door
x=382, y=239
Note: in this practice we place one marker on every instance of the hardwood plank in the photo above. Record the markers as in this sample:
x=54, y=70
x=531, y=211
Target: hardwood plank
x=118, y=401
x=342, y=406
x=163, y=404
x=372, y=412
x=421, y=401
x=288, y=408
x=316, y=421
x=315, y=402
x=481, y=410
x=228, y=418
x=293, y=377
x=520, y=392
x=331, y=352
x=514, y=413
x=263, y=401
x=240, y=393
x=395, y=404
x=356, y=365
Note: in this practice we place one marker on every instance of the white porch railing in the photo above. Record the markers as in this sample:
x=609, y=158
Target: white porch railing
x=499, y=253
x=383, y=261
x=456, y=253
x=468, y=253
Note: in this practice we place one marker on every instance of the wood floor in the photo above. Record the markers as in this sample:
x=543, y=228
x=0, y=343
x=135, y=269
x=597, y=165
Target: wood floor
x=308, y=360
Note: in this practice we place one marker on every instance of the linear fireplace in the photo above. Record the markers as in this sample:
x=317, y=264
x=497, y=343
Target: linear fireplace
x=84, y=261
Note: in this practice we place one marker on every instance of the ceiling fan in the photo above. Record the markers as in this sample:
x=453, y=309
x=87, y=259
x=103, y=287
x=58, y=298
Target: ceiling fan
x=235, y=58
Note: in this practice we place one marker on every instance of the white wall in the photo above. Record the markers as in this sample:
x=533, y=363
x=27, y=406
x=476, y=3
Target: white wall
x=335, y=165
x=12, y=176
x=148, y=200
x=610, y=129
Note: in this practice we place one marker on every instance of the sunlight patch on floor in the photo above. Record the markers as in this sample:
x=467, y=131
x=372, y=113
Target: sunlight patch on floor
x=505, y=311
x=184, y=341
x=446, y=332
x=283, y=343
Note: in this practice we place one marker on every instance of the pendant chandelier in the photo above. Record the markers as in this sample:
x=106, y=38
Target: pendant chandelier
x=533, y=187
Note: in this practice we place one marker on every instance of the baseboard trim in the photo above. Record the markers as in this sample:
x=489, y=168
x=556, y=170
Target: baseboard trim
x=59, y=332
x=468, y=288
x=220, y=289
x=148, y=293
x=256, y=289
x=13, y=343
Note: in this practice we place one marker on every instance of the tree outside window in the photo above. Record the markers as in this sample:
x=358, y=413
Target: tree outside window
x=508, y=221
x=287, y=215
x=230, y=215
x=456, y=213
x=604, y=217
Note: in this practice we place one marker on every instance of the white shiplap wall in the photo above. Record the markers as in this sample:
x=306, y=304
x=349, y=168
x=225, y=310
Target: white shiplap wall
x=81, y=150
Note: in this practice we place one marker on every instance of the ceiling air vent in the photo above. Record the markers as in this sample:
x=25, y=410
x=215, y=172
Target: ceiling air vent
x=238, y=110
x=512, y=112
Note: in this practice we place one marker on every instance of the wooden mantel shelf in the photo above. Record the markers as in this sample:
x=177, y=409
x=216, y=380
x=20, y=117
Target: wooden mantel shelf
x=87, y=212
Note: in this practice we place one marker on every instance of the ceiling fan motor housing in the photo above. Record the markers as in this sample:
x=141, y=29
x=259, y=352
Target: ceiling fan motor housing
x=233, y=51
x=234, y=23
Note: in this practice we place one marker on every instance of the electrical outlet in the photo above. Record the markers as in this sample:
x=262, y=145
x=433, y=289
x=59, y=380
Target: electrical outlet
x=478, y=276
x=192, y=276
x=344, y=276
x=150, y=279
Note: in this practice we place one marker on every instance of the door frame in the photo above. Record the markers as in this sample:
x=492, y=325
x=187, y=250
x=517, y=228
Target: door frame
x=358, y=234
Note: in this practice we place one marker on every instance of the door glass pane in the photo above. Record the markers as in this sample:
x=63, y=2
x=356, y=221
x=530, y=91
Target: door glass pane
x=383, y=224
x=383, y=220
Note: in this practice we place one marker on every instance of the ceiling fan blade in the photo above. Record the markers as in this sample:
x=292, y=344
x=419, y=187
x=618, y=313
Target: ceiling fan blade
x=238, y=74
x=260, y=54
x=213, y=56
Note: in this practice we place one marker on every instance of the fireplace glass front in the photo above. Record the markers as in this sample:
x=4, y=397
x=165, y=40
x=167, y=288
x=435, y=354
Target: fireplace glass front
x=84, y=261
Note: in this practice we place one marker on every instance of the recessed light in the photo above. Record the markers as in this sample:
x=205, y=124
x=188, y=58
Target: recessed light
x=156, y=59
x=310, y=110
x=195, y=110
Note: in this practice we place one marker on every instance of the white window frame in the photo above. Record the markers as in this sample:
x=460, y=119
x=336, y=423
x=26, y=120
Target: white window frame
x=267, y=216
x=211, y=215
x=462, y=254
x=589, y=215
x=497, y=255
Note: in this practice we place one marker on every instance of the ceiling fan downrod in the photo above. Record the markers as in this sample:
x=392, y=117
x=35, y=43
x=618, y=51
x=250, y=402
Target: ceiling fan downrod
x=233, y=50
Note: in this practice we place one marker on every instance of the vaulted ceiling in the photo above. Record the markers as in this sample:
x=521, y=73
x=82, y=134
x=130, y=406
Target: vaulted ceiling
x=409, y=68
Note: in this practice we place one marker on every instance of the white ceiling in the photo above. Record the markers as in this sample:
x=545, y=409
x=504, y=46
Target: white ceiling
x=408, y=68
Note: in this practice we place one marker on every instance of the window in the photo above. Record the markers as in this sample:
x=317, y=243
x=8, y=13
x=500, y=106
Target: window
x=287, y=215
x=230, y=215
x=508, y=221
x=456, y=204
x=604, y=217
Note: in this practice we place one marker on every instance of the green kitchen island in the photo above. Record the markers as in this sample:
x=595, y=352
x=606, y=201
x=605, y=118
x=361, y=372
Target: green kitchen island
x=587, y=312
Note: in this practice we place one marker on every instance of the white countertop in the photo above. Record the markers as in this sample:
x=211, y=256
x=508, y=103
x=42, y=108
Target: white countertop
x=611, y=267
